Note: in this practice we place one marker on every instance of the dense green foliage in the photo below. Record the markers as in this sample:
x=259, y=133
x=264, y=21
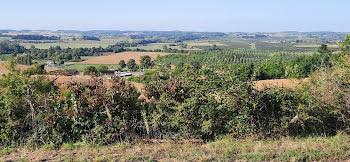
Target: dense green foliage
x=146, y=62
x=25, y=59
x=131, y=64
x=87, y=37
x=33, y=111
x=35, y=70
x=35, y=37
x=91, y=70
x=7, y=47
x=122, y=64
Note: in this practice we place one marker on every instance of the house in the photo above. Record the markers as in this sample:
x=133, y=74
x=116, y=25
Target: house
x=51, y=64
x=122, y=74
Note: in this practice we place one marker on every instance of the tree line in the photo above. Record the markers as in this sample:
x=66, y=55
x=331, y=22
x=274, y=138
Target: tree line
x=59, y=54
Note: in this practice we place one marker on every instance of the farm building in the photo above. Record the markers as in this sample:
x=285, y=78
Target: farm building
x=51, y=64
x=115, y=72
x=108, y=72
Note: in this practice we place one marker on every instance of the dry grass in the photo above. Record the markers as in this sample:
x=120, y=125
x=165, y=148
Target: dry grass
x=138, y=86
x=3, y=69
x=63, y=81
x=288, y=149
x=114, y=58
x=278, y=83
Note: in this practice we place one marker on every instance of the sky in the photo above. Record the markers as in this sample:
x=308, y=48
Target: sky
x=183, y=15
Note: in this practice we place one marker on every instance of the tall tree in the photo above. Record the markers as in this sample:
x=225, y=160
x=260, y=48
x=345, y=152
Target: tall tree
x=131, y=64
x=122, y=64
x=323, y=49
x=146, y=61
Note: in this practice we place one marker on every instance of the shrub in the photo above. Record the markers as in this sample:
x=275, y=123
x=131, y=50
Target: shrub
x=91, y=70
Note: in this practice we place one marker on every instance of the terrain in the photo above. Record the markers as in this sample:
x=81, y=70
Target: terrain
x=197, y=96
x=5, y=71
x=286, y=149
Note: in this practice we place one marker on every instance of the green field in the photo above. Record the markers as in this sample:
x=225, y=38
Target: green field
x=81, y=67
x=75, y=44
x=3, y=38
x=86, y=57
x=154, y=46
x=316, y=45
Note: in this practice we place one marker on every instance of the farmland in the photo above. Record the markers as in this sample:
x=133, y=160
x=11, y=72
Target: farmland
x=73, y=44
x=154, y=46
x=81, y=67
x=114, y=58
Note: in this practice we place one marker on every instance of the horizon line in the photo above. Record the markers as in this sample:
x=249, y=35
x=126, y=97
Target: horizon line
x=52, y=30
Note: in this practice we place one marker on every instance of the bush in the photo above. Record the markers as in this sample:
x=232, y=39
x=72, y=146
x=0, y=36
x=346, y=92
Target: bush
x=34, y=112
x=134, y=79
x=91, y=70
x=36, y=69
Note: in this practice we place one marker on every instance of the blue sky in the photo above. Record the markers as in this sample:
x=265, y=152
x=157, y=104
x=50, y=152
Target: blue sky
x=185, y=15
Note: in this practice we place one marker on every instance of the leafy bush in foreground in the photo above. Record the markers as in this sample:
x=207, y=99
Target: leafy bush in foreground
x=34, y=111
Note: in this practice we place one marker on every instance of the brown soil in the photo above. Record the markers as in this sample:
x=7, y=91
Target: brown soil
x=114, y=58
x=63, y=81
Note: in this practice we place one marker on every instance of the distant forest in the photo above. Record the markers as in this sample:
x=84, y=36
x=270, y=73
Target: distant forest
x=31, y=37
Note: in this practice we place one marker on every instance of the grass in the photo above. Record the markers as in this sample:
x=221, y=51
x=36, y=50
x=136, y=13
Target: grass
x=286, y=149
x=316, y=45
x=86, y=57
x=2, y=38
x=83, y=66
x=49, y=146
